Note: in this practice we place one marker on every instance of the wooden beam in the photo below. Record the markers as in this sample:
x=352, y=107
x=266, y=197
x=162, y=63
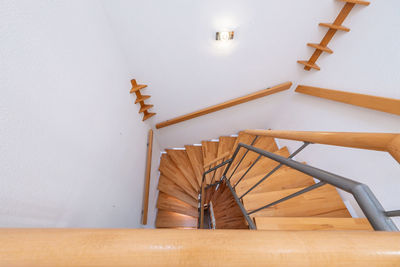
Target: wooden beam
x=170, y=247
x=384, y=104
x=227, y=104
x=389, y=142
x=147, y=178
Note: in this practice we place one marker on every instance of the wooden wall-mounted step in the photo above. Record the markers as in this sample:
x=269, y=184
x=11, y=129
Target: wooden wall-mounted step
x=332, y=29
x=140, y=99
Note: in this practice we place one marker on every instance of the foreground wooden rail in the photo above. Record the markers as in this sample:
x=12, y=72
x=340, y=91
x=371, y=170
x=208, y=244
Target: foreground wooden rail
x=389, y=142
x=147, y=178
x=122, y=247
x=384, y=104
x=227, y=104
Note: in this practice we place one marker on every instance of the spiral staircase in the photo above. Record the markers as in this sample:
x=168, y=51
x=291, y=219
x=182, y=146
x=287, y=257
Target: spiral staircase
x=181, y=172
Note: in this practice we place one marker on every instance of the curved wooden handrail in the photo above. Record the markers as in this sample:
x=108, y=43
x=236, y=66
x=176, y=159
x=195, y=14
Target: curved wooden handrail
x=389, y=142
x=145, y=247
x=227, y=104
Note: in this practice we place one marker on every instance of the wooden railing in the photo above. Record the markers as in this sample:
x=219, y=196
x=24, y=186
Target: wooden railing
x=145, y=247
x=384, y=104
x=227, y=104
x=147, y=178
x=389, y=142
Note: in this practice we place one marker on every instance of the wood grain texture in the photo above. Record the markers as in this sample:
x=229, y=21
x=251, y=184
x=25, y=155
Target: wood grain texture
x=195, y=154
x=311, y=224
x=284, y=178
x=227, y=104
x=210, y=152
x=225, y=147
x=182, y=161
x=169, y=219
x=389, y=142
x=170, y=247
x=170, y=170
x=389, y=105
x=145, y=208
x=170, y=203
x=169, y=187
x=317, y=202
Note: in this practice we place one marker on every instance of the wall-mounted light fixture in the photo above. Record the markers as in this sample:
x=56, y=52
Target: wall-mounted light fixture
x=224, y=36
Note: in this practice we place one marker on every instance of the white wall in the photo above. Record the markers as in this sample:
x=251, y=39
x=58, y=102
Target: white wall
x=72, y=143
x=170, y=45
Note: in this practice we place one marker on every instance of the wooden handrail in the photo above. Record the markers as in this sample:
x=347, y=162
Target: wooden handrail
x=217, y=159
x=384, y=104
x=389, y=142
x=167, y=247
x=147, y=178
x=227, y=104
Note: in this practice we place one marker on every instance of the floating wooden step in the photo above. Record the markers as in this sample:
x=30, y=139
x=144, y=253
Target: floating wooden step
x=169, y=187
x=210, y=151
x=324, y=201
x=358, y=2
x=169, y=219
x=311, y=224
x=181, y=160
x=170, y=203
x=141, y=99
x=148, y=115
x=195, y=155
x=320, y=47
x=334, y=27
x=145, y=107
x=310, y=65
x=137, y=88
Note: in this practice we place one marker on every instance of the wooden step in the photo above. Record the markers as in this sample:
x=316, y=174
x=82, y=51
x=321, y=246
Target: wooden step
x=168, y=219
x=170, y=170
x=311, y=223
x=142, y=98
x=210, y=151
x=167, y=186
x=137, y=88
x=263, y=166
x=195, y=154
x=170, y=203
x=226, y=144
x=320, y=47
x=181, y=160
x=145, y=107
x=321, y=202
x=148, y=115
x=284, y=178
x=307, y=64
x=334, y=26
x=358, y=2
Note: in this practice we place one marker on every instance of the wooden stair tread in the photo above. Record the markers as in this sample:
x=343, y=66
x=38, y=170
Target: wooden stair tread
x=311, y=223
x=318, y=202
x=225, y=146
x=320, y=47
x=169, y=169
x=169, y=219
x=284, y=178
x=210, y=151
x=358, y=2
x=263, y=166
x=195, y=154
x=145, y=107
x=170, y=203
x=169, y=187
x=334, y=26
x=142, y=98
x=148, y=115
x=307, y=64
x=137, y=88
x=181, y=160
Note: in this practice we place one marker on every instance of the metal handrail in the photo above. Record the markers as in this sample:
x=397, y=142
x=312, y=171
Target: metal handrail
x=369, y=204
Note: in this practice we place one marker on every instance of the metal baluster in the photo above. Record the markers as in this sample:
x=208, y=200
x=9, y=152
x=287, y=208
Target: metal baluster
x=247, y=151
x=254, y=163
